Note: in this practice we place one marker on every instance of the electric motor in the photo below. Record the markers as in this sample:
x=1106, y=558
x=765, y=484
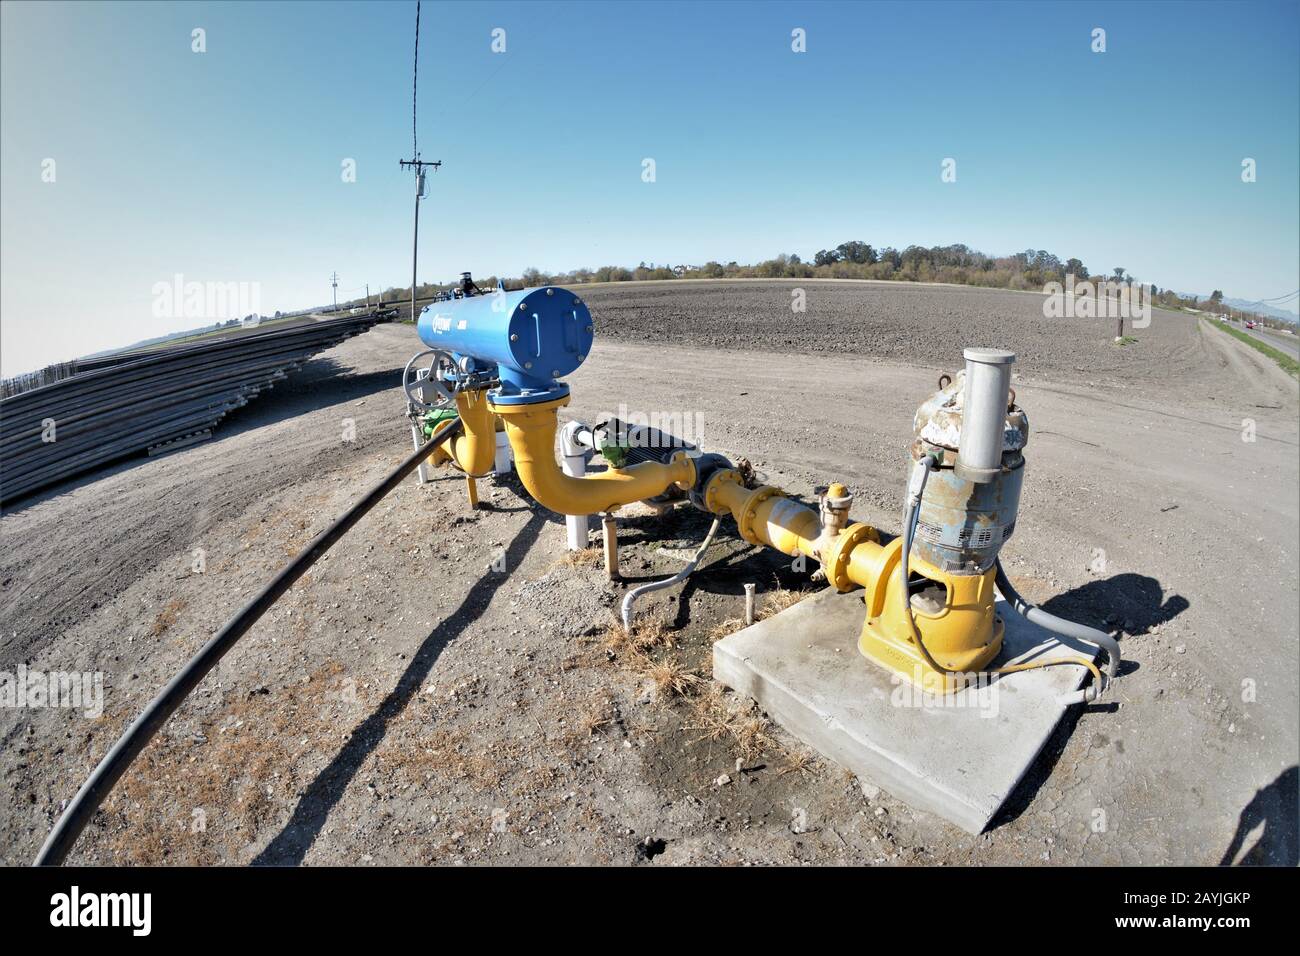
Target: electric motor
x=968, y=513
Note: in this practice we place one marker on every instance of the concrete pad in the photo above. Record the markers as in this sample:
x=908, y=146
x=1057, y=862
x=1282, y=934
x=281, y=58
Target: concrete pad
x=959, y=757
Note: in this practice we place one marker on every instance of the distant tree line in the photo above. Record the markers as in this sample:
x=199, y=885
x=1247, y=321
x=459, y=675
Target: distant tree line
x=959, y=264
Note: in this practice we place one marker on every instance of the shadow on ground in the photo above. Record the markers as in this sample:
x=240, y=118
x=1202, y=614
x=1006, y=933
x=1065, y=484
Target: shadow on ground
x=1276, y=808
x=1134, y=602
x=1129, y=599
x=290, y=845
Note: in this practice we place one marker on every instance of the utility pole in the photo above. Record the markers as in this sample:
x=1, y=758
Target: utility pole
x=334, y=281
x=415, y=162
x=367, y=296
x=419, y=165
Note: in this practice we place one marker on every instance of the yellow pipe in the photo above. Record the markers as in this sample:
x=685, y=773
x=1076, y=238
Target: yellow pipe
x=531, y=430
x=765, y=515
x=962, y=631
x=474, y=449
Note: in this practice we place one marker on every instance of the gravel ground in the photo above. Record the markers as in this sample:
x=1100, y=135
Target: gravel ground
x=440, y=688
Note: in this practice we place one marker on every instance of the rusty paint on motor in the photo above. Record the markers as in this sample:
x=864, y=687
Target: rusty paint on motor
x=963, y=525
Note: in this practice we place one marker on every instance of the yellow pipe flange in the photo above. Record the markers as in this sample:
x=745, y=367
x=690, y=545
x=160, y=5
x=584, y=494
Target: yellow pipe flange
x=745, y=516
x=835, y=562
x=714, y=489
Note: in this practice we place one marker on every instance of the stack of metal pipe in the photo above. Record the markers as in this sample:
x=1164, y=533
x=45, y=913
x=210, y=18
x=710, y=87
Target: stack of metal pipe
x=149, y=401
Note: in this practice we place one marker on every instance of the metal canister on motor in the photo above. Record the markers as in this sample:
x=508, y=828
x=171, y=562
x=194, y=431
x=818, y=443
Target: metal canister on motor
x=985, y=396
x=972, y=498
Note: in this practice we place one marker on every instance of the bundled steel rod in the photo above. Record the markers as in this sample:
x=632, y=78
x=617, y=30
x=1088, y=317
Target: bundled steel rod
x=121, y=405
x=116, y=761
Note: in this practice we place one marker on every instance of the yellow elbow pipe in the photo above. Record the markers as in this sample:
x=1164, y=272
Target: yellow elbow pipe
x=474, y=449
x=531, y=430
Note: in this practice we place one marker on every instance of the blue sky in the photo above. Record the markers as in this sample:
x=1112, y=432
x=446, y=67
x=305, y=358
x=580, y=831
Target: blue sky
x=225, y=166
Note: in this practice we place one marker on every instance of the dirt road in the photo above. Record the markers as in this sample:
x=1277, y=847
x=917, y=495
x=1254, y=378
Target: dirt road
x=438, y=689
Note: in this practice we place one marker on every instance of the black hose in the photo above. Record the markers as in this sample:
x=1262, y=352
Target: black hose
x=116, y=761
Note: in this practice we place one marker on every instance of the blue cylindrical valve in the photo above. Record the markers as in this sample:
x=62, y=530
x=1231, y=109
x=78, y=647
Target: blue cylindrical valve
x=533, y=336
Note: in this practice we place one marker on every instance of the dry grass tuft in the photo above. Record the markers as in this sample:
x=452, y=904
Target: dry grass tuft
x=167, y=616
x=670, y=677
x=750, y=734
x=774, y=602
x=647, y=633
x=651, y=632
x=802, y=761
x=746, y=730
x=724, y=628
x=581, y=559
x=614, y=639
x=598, y=714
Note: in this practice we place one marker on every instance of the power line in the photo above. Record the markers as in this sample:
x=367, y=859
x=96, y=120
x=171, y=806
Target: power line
x=415, y=83
x=1276, y=300
x=415, y=162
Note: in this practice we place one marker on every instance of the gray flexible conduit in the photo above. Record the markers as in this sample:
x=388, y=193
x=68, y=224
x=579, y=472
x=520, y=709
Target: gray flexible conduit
x=1060, y=625
x=681, y=575
x=1029, y=612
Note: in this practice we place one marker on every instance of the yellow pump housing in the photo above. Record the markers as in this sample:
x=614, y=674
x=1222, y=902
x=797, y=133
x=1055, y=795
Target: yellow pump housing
x=962, y=632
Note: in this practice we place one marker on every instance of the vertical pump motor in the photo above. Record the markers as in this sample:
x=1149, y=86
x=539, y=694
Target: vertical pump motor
x=933, y=614
x=976, y=436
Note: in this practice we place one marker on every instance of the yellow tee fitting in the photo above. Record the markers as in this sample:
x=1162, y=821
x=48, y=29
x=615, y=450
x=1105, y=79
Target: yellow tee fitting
x=531, y=430
x=474, y=449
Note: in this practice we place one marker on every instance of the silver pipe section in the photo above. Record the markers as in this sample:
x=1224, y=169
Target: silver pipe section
x=630, y=598
x=984, y=413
